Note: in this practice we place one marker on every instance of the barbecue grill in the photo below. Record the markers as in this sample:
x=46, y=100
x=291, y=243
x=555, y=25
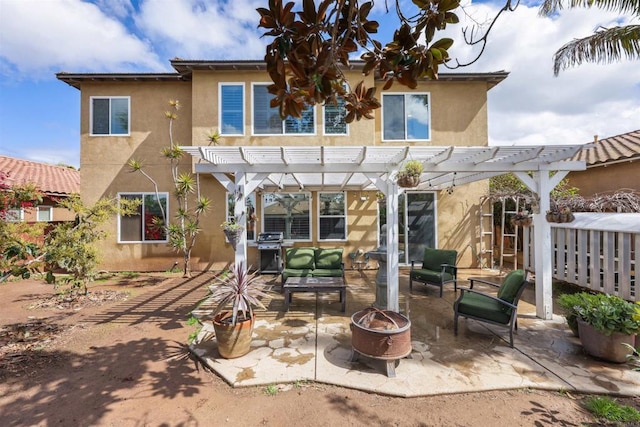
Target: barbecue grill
x=270, y=252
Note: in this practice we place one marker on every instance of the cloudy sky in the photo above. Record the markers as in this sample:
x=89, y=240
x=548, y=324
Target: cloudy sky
x=39, y=115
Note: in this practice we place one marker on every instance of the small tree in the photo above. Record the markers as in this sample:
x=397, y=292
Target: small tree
x=71, y=245
x=182, y=233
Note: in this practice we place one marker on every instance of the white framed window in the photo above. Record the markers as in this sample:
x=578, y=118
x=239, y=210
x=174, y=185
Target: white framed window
x=332, y=216
x=110, y=115
x=251, y=213
x=289, y=213
x=406, y=117
x=44, y=213
x=231, y=108
x=147, y=224
x=267, y=121
x=14, y=215
x=334, y=115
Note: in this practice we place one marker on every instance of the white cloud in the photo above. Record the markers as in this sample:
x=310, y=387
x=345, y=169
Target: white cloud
x=531, y=105
x=39, y=37
x=203, y=30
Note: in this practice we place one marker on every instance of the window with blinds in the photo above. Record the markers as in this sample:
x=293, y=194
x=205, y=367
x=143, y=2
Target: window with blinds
x=267, y=121
x=231, y=109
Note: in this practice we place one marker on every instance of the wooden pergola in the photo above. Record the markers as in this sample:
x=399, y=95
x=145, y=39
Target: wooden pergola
x=243, y=169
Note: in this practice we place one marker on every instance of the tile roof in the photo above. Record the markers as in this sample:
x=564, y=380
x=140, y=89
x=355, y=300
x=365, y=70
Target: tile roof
x=52, y=180
x=613, y=149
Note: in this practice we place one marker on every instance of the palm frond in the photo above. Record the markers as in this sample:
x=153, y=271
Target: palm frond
x=603, y=47
x=549, y=7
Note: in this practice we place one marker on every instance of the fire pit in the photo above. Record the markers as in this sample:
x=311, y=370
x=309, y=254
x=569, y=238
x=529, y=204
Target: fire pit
x=380, y=334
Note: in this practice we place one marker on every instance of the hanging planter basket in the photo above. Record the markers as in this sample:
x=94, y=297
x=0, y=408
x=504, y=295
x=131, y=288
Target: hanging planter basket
x=233, y=236
x=408, y=181
x=522, y=222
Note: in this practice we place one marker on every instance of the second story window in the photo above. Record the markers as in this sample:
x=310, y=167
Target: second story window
x=334, y=115
x=267, y=121
x=110, y=115
x=231, y=109
x=406, y=116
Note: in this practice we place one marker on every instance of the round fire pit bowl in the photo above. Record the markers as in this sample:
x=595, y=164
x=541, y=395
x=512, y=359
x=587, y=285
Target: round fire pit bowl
x=381, y=334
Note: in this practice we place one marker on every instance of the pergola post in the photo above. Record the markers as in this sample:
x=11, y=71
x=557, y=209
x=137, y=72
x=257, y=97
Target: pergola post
x=542, y=184
x=240, y=215
x=392, y=195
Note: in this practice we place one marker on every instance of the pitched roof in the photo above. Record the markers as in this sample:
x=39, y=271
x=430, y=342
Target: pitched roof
x=624, y=147
x=52, y=180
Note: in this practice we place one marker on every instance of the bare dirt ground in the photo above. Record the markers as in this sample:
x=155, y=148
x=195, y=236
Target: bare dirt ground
x=117, y=358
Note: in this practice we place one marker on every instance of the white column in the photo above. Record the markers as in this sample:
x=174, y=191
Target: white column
x=392, y=194
x=542, y=247
x=240, y=214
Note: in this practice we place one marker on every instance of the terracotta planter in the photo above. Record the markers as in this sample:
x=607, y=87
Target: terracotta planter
x=233, y=340
x=605, y=347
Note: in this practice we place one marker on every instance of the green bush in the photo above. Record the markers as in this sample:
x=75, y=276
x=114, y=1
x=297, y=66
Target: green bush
x=606, y=313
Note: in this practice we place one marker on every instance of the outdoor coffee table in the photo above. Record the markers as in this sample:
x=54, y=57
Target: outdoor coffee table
x=314, y=284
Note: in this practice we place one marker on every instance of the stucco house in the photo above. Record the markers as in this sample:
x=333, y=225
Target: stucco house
x=55, y=182
x=123, y=118
x=613, y=164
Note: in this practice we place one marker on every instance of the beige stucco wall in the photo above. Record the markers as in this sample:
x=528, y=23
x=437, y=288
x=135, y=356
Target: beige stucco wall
x=458, y=117
x=606, y=179
x=103, y=159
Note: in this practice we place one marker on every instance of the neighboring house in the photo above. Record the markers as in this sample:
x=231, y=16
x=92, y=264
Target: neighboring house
x=122, y=118
x=612, y=164
x=55, y=182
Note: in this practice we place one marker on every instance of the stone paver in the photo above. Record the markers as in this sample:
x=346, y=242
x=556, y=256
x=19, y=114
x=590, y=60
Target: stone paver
x=313, y=342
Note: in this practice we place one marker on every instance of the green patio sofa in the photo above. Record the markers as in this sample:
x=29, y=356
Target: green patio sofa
x=313, y=262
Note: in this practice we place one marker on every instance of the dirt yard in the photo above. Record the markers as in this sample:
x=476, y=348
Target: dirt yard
x=117, y=358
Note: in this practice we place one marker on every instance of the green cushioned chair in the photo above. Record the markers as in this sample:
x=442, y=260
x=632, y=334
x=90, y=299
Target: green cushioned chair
x=299, y=262
x=438, y=268
x=501, y=309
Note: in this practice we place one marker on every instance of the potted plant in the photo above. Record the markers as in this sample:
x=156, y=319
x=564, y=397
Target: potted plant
x=569, y=302
x=522, y=219
x=232, y=231
x=409, y=175
x=233, y=317
x=605, y=324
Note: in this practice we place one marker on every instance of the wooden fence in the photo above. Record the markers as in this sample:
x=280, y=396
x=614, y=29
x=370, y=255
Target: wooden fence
x=595, y=252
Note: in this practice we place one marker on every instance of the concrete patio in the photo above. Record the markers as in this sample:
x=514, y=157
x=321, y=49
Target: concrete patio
x=312, y=342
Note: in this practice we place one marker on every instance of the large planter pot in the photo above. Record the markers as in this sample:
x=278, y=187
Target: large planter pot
x=233, y=340
x=605, y=347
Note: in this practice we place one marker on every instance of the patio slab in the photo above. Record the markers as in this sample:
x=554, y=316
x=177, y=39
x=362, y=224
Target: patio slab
x=312, y=342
